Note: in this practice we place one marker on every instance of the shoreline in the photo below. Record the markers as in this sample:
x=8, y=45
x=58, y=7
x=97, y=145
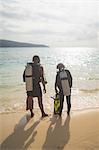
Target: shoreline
x=51, y=112
x=80, y=101
x=80, y=131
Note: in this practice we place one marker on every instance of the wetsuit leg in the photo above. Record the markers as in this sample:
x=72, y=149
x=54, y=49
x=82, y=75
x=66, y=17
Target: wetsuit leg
x=61, y=103
x=68, y=99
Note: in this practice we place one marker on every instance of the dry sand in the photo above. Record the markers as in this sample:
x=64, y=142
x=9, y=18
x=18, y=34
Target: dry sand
x=80, y=131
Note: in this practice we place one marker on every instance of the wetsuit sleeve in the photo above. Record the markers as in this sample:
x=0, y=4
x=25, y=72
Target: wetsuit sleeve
x=42, y=76
x=69, y=78
x=56, y=83
x=24, y=76
x=41, y=72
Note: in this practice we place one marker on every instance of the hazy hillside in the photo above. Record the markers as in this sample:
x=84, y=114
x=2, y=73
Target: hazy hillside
x=8, y=43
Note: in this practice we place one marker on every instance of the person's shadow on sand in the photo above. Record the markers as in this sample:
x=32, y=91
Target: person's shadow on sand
x=20, y=138
x=58, y=134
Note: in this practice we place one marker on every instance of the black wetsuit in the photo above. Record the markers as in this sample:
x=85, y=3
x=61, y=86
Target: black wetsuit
x=37, y=92
x=58, y=84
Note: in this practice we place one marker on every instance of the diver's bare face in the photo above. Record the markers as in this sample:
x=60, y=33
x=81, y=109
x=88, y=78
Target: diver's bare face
x=36, y=61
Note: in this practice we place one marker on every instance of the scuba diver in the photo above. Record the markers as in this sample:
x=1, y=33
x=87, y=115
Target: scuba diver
x=33, y=75
x=63, y=86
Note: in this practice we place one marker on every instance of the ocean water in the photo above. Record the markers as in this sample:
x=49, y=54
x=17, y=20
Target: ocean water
x=83, y=64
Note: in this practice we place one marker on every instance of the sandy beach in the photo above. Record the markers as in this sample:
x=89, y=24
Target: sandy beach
x=79, y=131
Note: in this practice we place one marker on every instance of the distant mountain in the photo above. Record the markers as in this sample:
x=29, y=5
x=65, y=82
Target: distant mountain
x=8, y=43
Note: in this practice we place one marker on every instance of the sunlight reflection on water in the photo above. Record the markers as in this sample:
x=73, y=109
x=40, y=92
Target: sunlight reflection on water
x=83, y=64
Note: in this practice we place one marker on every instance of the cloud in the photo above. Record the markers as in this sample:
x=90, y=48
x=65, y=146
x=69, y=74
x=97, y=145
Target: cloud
x=46, y=20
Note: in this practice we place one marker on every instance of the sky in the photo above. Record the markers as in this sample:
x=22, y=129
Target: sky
x=52, y=22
